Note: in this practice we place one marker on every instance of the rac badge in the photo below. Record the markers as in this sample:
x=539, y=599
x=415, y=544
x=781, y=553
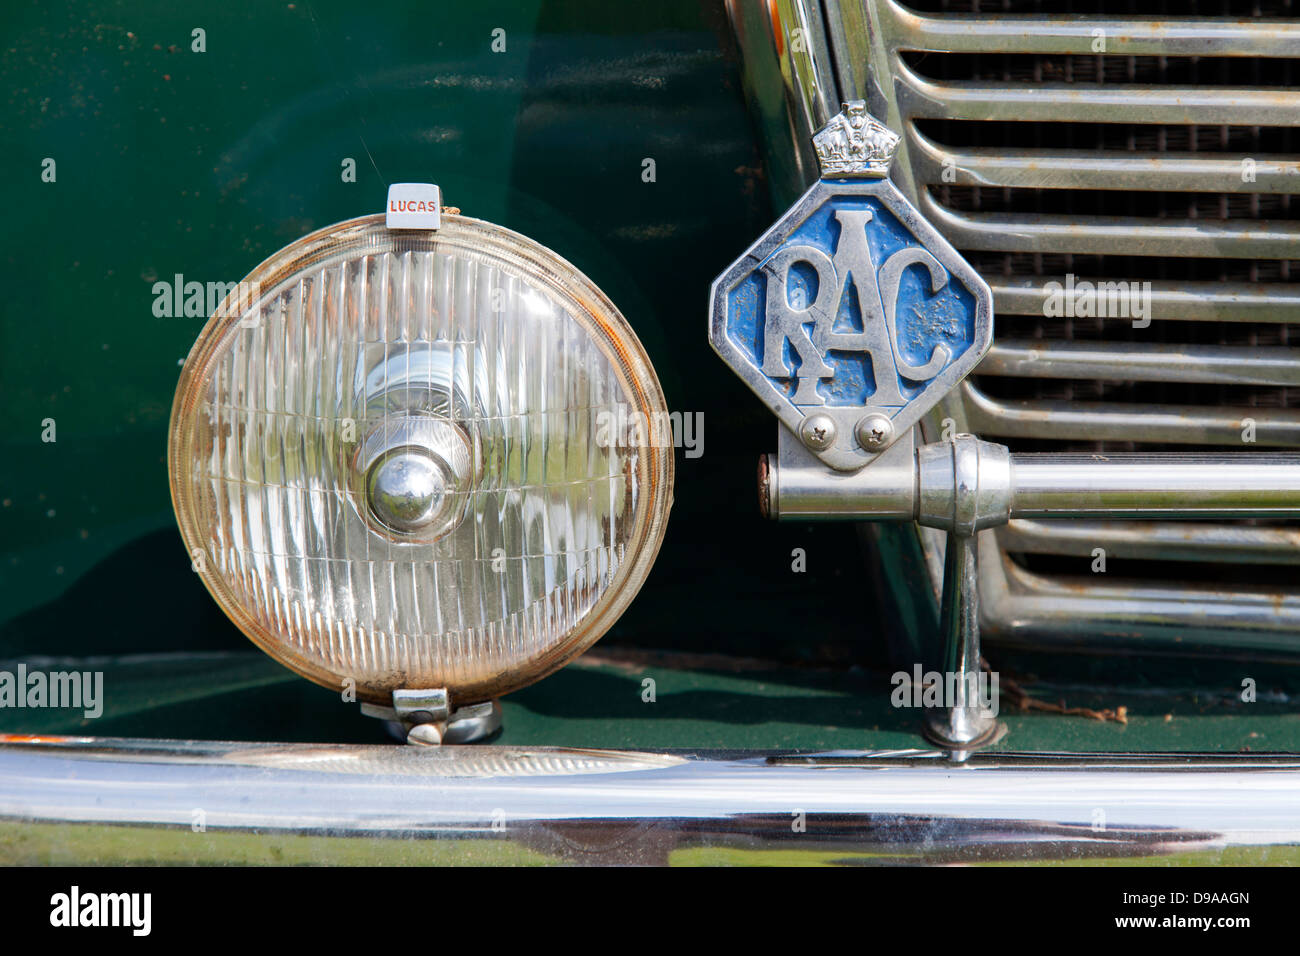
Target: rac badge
x=852, y=316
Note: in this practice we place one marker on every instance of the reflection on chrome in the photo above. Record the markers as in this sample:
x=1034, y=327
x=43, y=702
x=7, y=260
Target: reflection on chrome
x=586, y=806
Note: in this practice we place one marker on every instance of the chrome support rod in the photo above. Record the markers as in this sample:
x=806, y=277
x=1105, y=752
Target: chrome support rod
x=966, y=724
x=917, y=484
x=1241, y=485
x=965, y=485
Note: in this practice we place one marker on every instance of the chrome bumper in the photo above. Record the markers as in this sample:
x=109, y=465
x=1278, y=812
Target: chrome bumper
x=88, y=800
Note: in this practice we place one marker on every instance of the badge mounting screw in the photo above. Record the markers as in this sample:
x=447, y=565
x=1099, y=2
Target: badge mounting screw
x=817, y=432
x=875, y=432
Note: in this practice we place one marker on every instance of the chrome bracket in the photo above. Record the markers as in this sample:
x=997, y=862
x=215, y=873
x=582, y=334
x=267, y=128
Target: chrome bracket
x=960, y=486
x=964, y=485
x=425, y=717
x=964, y=723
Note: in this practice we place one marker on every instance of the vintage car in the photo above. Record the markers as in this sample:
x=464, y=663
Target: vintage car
x=901, y=391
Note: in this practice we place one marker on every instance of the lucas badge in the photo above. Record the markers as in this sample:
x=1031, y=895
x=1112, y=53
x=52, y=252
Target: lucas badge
x=851, y=317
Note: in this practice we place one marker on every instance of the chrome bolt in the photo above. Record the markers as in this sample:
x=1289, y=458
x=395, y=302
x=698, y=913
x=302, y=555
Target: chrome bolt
x=875, y=432
x=817, y=432
x=427, y=735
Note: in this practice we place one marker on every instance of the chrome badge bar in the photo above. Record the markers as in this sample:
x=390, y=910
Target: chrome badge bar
x=850, y=318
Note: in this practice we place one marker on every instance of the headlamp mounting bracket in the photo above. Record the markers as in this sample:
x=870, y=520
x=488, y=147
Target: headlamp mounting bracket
x=425, y=717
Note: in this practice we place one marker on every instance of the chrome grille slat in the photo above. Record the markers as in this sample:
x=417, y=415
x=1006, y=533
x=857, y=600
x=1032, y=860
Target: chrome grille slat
x=1112, y=235
x=1155, y=540
x=1182, y=301
x=923, y=98
x=1027, y=608
x=1077, y=169
x=1113, y=421
x=1228, y=365
x=1125, y=36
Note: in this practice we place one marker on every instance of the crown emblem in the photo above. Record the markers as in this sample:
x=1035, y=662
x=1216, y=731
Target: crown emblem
x=854, y=143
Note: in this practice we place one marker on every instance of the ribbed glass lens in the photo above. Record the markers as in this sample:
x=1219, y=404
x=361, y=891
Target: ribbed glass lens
x=407, y=460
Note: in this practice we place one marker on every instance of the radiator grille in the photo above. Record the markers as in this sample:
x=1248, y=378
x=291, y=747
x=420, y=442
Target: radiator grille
x=1169, y=158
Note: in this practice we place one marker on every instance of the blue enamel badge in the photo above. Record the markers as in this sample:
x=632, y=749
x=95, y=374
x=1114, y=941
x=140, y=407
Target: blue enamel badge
x=852, y=316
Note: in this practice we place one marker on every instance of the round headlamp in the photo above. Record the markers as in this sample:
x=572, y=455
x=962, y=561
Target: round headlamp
x=420, y=459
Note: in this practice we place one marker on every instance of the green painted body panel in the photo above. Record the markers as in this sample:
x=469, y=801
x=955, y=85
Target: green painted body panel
x=699, y=704
x=170, y=161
